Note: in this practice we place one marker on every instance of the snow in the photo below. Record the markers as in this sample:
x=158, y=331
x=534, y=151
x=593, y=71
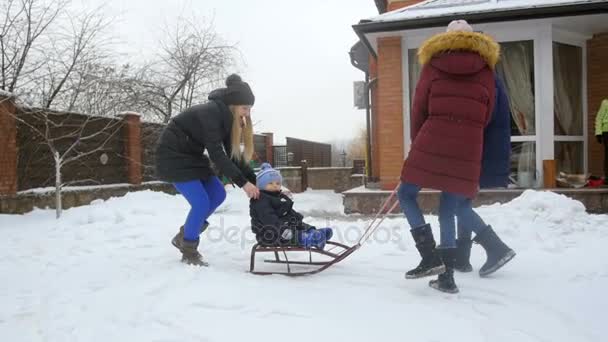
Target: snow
x=6, y=94
x=51, y=189
x=107, y=272
x=441, y=8
x=365, y=190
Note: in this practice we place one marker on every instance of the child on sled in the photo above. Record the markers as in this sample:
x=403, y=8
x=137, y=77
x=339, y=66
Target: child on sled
x=273, y=219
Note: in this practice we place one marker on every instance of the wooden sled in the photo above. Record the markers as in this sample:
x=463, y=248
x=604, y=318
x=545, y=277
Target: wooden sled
x=333, y=253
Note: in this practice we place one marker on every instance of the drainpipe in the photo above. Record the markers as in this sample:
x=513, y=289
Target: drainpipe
x=368, y=119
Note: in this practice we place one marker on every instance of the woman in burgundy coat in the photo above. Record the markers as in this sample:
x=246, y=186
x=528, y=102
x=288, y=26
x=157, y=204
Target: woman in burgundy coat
x=453, y=104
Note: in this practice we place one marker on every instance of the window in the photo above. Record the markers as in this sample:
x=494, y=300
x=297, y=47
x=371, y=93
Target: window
x=568, y=107
x=516, y=70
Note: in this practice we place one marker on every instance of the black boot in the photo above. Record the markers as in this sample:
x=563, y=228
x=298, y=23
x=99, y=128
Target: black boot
x=445, y=281
x=190, y=254
x=498, y=254
x=463, y=256
x=431, y=262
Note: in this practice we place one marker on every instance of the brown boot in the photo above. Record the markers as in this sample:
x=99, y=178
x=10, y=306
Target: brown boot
x=190, y=254
x=176, y=241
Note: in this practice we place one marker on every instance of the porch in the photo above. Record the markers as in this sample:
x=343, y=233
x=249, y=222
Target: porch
x=366, y=201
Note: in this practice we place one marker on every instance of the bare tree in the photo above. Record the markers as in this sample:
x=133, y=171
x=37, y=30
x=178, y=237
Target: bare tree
x=356, y=148
x=21, y=26
x=193, y=59
x=67, y=138
x=74, y=50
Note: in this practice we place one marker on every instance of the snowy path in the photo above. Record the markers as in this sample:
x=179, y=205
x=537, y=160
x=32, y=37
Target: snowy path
x=106, y=272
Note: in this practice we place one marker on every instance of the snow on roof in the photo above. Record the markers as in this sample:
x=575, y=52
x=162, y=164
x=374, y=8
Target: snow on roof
x=441, y=8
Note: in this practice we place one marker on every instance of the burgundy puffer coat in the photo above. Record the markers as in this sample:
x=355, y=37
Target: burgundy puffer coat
x=453, y=103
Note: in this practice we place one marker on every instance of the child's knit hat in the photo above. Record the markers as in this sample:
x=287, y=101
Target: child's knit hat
x=266, y=175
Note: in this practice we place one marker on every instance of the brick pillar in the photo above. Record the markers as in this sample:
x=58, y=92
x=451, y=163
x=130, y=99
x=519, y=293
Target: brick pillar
x=269, y=141
x=597, y=90
x=396, y=4
x=133, y=149
x=389, y=115
x=8, y=146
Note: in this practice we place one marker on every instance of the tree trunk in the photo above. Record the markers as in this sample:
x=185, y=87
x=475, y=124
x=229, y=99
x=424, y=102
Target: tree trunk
x=58, y=208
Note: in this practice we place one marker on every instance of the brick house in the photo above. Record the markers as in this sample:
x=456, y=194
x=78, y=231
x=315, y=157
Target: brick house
x=554, y=64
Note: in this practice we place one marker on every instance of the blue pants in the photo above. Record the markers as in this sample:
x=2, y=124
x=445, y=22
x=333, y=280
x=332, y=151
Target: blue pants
x=450, y=206
x=204, y=197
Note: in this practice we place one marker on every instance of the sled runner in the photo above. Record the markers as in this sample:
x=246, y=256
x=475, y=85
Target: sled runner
x=313, y=260
x=333, y=253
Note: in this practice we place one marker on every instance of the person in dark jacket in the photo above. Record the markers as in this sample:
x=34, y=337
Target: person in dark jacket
x=217, y=127
x=452, y=106
x=494, y=167
x=273, y=219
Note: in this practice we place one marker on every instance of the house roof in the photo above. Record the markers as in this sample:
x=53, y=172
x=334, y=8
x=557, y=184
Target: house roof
x=381, y=5
x=438, y=12
x=439, y=8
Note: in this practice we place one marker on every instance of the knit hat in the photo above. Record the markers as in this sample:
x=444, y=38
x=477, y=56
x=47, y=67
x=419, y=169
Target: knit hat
x=266, y=175
x=237, y=92
x=459, y=25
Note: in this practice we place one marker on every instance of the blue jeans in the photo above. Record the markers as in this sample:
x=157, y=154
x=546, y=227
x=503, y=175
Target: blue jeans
x=408, y=200
x=204, y=197
x=450, y=207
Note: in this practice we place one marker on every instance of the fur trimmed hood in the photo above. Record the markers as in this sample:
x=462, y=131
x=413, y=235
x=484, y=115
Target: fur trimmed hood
x=480, y=43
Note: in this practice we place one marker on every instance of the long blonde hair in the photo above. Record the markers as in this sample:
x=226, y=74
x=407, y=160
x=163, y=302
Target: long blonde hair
x=241, y=135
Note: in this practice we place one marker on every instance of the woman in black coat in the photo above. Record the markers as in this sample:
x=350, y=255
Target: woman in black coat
x=218, y=128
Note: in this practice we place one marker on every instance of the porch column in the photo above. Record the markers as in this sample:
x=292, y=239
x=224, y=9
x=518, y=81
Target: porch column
x=389, y=116
x=545, y=131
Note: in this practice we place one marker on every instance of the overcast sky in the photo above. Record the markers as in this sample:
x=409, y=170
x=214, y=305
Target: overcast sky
x=296, y=55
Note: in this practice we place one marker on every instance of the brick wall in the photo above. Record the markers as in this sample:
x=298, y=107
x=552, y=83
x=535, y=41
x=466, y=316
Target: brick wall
x=389, y=112
x=396, y=4
x=8, y=147
x=597, y=78
x=330, y=178
x=292, y=178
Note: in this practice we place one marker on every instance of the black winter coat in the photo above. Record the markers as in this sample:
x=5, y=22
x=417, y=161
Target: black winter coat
x=273, y=219
x=180, y=152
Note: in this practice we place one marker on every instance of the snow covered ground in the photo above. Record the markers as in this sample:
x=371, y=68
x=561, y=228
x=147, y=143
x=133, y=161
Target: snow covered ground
x=106, y=272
